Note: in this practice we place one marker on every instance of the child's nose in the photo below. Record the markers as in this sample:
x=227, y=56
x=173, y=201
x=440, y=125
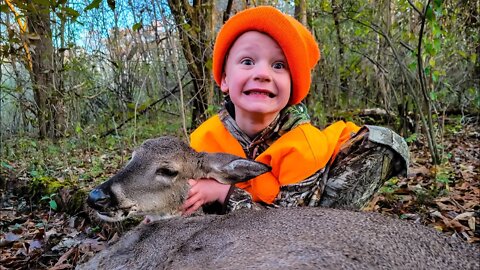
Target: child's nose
x=262, y=72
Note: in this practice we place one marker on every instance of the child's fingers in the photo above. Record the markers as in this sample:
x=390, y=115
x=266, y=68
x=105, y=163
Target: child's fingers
x=192, y=201
x=193, y=187
x=189, y=202
x=192, y=182
x=197, y=196
x=193, y=208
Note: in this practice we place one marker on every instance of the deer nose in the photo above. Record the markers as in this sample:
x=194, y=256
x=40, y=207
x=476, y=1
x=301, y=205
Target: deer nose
x=97, y=199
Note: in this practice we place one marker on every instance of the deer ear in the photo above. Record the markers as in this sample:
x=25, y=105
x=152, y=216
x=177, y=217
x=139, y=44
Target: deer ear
x=230, y=169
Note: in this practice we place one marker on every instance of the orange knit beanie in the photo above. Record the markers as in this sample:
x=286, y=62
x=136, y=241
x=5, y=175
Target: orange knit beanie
x=296, y=41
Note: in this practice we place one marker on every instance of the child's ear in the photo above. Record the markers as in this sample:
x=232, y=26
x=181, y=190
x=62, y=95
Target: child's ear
x=224, y=84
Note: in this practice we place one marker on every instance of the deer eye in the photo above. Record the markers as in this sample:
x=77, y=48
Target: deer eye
x=166, y=172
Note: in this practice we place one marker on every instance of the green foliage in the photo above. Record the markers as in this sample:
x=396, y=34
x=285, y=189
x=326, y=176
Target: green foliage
x=4, y=8
x=42, y=183
x=96, y=229
x=455, y=126
x=51, y=201
x=317, y=112
x=137, y=26
x=389, y=187
x=412, y=138
x=94, y=4
x=211, y=110
x=474, y=95
x=68, y=13
x=6, y=165
x=425, y=196
x=443, y=177
x=444, y=173
x=45, y=3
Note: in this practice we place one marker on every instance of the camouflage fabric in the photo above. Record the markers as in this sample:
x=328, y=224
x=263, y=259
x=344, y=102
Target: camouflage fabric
x=241, y=199
x=364, y=163
x=361, y=167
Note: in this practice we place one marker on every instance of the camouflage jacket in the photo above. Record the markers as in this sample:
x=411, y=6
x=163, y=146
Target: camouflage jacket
x=364, y=162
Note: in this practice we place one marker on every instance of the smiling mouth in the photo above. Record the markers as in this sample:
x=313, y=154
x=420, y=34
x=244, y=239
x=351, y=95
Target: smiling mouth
x=259, y=92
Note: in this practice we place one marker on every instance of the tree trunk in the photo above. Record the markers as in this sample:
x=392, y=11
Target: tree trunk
x=301, y=16
x=58, y=95
x=382, y=91
x=301, y=11
x=38, y=22
x=195, y=27
x=341, y=49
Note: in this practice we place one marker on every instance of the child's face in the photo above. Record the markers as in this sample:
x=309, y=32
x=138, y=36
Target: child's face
x=256, y=76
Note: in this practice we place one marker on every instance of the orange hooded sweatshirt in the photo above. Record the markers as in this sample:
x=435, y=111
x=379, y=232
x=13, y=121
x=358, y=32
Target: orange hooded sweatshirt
x=294, y=157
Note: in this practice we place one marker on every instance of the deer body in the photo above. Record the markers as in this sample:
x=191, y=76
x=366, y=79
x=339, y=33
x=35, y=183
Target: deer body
x=282, y=238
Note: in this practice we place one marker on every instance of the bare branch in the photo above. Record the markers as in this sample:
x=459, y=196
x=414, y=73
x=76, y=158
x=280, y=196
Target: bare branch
x=415, y=8
x=146, y=109
x=228, y=10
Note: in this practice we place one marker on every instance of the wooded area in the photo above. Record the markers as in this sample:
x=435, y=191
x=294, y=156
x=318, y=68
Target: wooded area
x=93, y=65
x=83, y=82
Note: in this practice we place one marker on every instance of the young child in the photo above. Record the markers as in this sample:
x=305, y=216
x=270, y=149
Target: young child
x=262, y=61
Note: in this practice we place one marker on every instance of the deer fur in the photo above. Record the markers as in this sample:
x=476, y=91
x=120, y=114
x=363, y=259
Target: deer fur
x=155, y=182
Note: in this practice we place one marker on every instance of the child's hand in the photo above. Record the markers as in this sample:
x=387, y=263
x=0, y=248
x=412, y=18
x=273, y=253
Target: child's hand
x=204, y=191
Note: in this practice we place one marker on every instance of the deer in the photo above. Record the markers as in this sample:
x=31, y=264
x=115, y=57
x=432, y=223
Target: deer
x=154, y=182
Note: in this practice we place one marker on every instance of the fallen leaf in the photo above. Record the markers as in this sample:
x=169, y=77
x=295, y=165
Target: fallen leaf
x=35, y=244
x=446, y=207
x=92, y=245
x=471, y=223
x=464, y=216
x=11, y=237
x=66, y=243
x=422, y=170
x=64, y=257
x=62, y=266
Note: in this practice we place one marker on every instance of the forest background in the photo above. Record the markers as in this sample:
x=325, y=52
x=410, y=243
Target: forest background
x=83, y=82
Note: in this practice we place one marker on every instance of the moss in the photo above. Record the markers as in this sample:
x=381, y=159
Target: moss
x=67, y=195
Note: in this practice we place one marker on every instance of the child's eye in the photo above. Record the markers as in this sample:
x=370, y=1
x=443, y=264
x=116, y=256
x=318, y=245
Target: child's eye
x=247, y=62
x=279, y=65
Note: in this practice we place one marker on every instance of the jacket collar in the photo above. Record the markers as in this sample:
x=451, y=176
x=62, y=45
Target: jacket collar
x=289, y=118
